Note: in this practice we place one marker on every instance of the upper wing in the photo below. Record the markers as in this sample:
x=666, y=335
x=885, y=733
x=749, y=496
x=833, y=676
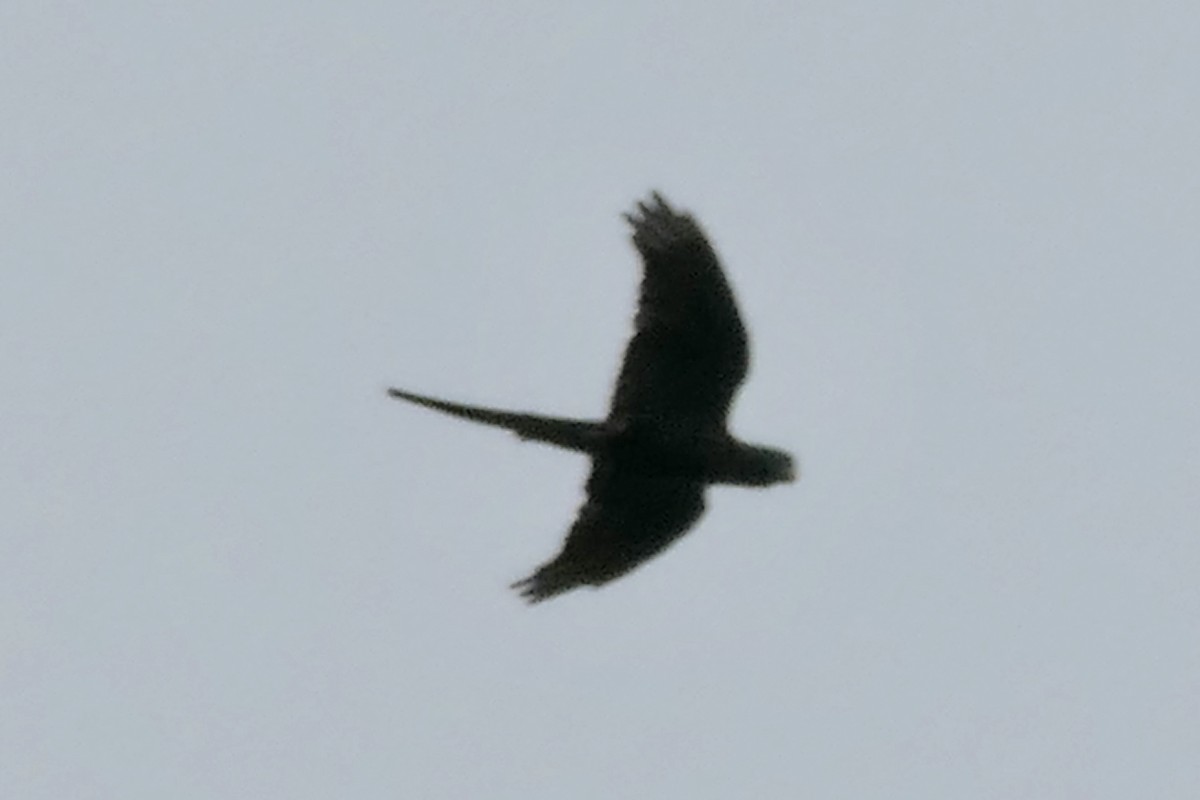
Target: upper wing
x=628, y=518
x=689, y=351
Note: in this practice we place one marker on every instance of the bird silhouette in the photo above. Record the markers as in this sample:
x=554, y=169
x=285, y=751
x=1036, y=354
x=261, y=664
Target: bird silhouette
x=665, y=439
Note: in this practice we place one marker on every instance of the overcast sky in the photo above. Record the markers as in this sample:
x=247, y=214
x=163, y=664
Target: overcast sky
x=965, y=241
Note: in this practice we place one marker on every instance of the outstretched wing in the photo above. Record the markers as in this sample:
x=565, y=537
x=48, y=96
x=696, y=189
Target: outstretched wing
x=689, y=351
x=628, y=518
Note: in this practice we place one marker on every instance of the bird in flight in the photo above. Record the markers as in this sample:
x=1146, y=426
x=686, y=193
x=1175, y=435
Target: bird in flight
x=665, y=438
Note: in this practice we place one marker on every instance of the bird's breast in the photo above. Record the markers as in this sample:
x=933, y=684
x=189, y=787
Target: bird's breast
x=663, y=452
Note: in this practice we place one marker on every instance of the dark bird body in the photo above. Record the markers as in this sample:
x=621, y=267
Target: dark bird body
x=665, y=438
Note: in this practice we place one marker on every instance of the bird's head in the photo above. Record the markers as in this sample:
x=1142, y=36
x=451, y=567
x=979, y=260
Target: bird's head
x=772, y=465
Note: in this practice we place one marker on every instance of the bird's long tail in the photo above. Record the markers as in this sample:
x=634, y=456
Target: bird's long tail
x=572, y=434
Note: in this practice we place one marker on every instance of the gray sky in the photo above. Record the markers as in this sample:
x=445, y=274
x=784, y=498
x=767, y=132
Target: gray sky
x=965, y=240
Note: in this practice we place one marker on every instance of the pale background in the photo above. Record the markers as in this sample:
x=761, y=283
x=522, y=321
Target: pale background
x=965, y=237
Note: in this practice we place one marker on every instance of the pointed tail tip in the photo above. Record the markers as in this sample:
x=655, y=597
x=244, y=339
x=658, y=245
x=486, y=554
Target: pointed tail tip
x=400, y=394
